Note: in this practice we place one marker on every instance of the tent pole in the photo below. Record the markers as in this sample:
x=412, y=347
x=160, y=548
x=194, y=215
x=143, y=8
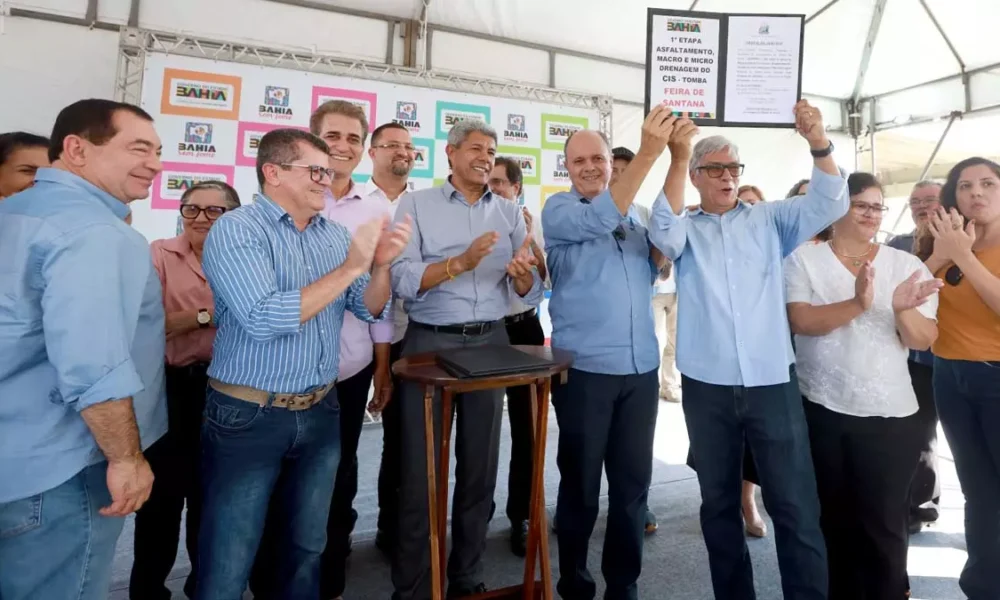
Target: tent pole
x=930, y=160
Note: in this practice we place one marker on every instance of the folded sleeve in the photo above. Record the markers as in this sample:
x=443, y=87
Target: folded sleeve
x=799, y=219
x=667, y=230
x=407, y=270
x=94, y=281
x=240, y=271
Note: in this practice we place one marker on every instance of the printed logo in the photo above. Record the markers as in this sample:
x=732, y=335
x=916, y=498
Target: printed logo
x=450, y=114
x=450, y=118
x=177, y=177
x=560, y=174
x=250, y=143
x=764, y=29
x=528, y=164
x=421, y=158
x=515, y=129
x=366, y=101
x=176, y=183
x=276, y=104
x=197, y=141
x=684, y=26
x=556, y=129
x=406, y=115
x=201, y=95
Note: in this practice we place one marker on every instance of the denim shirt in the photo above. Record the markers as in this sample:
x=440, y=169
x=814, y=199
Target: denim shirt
x=81, y=323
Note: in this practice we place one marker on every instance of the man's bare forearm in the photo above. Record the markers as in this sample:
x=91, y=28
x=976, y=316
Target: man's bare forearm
x=114, y=428
x=437, y=273
x=539, y=260
x=673, y=186
x=319, y=294
x=378, y=291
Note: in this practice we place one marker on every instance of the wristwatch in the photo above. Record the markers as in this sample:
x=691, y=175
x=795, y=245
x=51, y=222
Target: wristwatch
x=204, y=318
x=822, y=153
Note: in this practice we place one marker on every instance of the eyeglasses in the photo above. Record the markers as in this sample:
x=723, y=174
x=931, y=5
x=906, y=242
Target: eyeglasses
x=316, y=172
x=715, y=171
x=190, y=211
x=923, y=202
x=953, y=276
x=864, y=209
x=396, y=146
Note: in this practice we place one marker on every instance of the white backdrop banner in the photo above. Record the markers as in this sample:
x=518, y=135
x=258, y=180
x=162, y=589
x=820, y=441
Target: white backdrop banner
x=211, y=116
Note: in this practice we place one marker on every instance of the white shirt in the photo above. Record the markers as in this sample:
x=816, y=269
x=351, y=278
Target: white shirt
x=859, y=369
x=399, y=318
x=517, y=306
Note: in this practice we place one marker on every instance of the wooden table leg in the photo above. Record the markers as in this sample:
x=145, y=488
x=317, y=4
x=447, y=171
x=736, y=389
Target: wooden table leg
x=538, y=537
x=436, y=588
x=442, y=506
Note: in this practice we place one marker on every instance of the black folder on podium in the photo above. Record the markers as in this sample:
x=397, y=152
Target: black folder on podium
x=489, y=361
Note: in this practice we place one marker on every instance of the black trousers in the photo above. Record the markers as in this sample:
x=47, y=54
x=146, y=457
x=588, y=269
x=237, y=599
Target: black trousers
x=606, y=423
x=388, y=471
x=353, y=396
x=174, y=459
x=864, y=466
x=523, y=330
x=925, y=491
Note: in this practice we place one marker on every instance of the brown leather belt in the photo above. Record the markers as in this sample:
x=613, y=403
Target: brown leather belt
x=288, y=401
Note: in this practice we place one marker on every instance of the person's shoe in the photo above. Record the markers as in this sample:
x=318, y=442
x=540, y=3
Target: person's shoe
x=519, y=538
x=493, y=511
x=462, y=592
x=916, y=526
x=756, y=528
x=651, y=525
x=928, y=514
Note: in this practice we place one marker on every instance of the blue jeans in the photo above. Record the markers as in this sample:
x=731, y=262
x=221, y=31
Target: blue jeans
x=56, y=544
x=770, y=419
x=250, y=452
x=968, y=402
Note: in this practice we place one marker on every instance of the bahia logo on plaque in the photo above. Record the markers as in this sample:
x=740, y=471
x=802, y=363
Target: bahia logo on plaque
x=406, y=115
x=684, y=26
x=556, y=129
x=515, y=130
x=276, y=105
x=197, y=141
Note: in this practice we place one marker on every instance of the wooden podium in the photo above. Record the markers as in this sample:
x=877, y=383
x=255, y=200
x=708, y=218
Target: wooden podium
x=423, y=369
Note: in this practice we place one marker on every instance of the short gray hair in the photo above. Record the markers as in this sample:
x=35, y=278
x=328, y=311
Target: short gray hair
x=604, y=137
x=463, y=129
x=711, y=145
x=925, y=183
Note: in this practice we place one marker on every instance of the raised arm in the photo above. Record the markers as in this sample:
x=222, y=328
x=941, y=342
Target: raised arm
x=667, y=228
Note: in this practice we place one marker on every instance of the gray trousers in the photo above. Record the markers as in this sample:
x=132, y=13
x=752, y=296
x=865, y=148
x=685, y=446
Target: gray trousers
x=477, y=449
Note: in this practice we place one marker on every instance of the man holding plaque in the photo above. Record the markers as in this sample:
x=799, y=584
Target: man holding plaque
x=735, y=355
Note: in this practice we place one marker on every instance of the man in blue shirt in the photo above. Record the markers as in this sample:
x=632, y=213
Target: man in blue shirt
x=81, y=355
x=601, y=308
x=734, y=350
x=467, y=259
x=925, y=489
x=282, y=277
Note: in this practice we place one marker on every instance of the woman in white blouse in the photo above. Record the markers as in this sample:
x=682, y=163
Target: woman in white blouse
x=856, y=307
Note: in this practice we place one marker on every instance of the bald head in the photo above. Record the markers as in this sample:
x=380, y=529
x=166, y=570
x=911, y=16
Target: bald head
x=588, y=160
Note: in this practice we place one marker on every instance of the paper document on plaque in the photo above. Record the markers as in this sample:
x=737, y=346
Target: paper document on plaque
x=762, y=69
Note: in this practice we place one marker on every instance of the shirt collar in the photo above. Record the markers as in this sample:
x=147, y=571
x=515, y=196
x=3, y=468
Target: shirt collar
x=64, y=177
x=451, y=192
x=273, y=210
x=181, y=247
x=372, y=188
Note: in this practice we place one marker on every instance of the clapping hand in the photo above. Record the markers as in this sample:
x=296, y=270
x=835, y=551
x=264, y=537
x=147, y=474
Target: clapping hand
x=477, y=251
x=392, y=241
x=521, y=268
x=951, y=239
x=864, y=286
x=913, y=293
x=364, y=241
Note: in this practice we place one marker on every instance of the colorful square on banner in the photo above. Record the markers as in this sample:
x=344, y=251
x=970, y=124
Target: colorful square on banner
x=549, y=190
x=368, y=101
x=361, y=177
x=438, y=182
x=529, y=159
x=199, y=141
x=423, y=161
x=515, y=129
x=248, y=138
x=450, y=114
x=198, y=94
x=411, y=115
x=274, y=104
x=556, y=129
x=176, y=178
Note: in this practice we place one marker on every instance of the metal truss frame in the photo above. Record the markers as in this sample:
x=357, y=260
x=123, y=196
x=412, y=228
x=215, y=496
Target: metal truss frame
x=136, y=44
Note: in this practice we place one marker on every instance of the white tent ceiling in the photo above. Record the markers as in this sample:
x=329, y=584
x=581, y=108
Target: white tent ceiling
x=908, y=50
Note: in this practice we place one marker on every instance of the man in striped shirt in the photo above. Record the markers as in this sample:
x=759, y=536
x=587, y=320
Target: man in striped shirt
x=282, y=277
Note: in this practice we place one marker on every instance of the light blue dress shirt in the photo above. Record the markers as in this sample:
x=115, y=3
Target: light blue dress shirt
x=81, y=323
x=257, y=262
x=602, y=285
x=444, y=225
x=733, y=328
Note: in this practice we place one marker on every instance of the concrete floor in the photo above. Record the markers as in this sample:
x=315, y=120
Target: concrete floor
x=675, y=562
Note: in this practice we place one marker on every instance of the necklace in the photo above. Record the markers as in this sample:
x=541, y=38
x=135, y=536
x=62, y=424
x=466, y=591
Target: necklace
x=855, y=259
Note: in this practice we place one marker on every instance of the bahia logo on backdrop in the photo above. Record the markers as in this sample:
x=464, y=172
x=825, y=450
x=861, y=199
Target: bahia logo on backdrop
x=450, y=118
x=406, y=115
x=251, y=142
x=178, y=182
x=421, y=158
x=561, y=173
x=528, y=164
x=202, y=94
x=276, y=104
x=197, y=141
x=515, y=131
x=557, y=132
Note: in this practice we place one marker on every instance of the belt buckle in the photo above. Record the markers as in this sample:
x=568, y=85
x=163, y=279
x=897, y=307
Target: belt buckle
x=473, y=328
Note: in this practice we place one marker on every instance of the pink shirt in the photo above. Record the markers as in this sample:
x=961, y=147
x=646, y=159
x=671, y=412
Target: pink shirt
x=357, y=338
x=184, y=288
